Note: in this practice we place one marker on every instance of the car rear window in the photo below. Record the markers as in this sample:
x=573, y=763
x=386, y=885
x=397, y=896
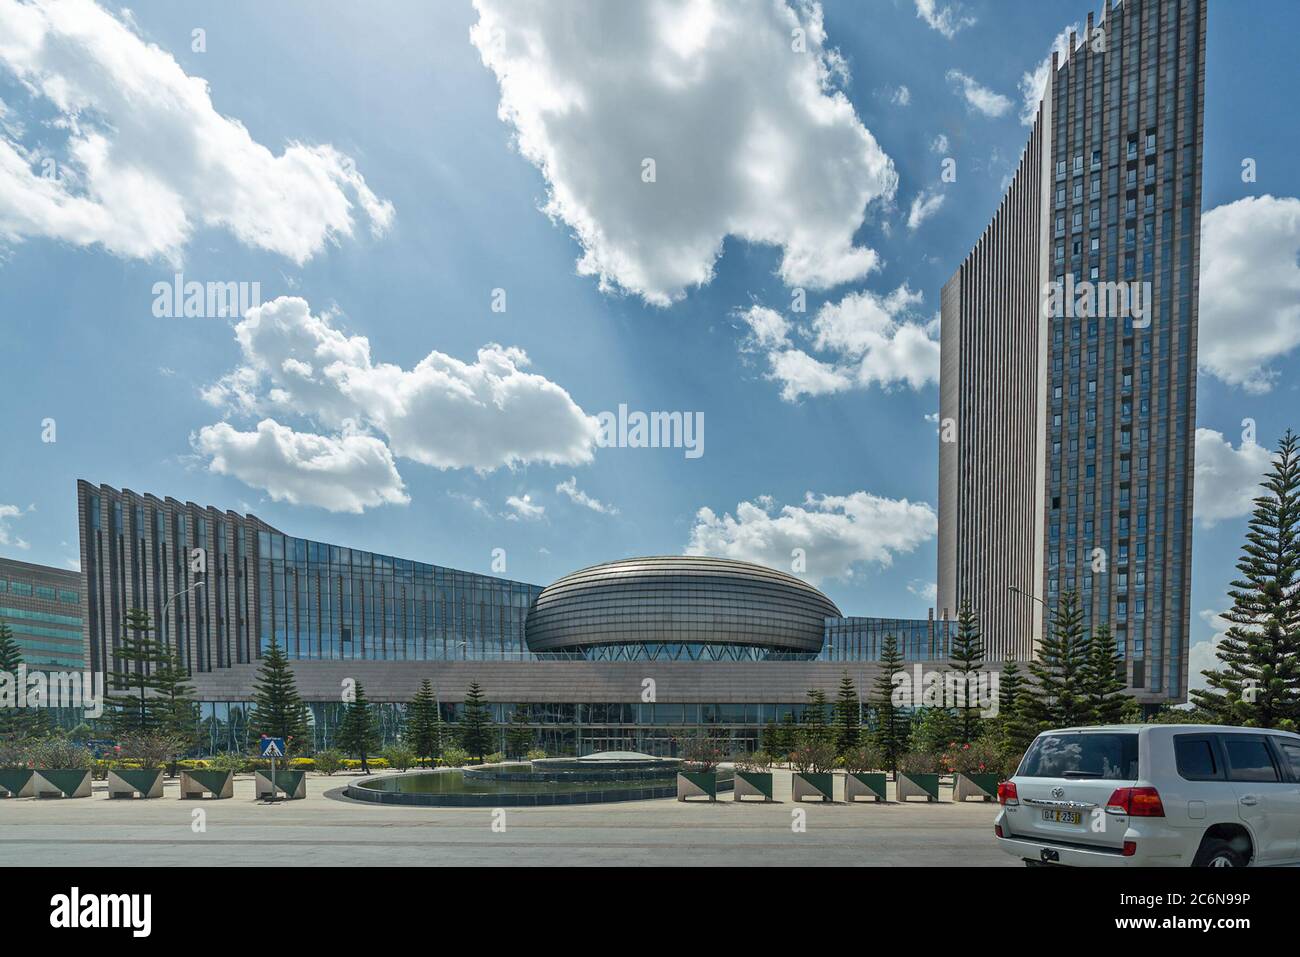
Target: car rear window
x=1104, y=755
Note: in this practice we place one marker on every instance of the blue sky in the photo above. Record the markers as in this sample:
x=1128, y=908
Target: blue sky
x=396, y=115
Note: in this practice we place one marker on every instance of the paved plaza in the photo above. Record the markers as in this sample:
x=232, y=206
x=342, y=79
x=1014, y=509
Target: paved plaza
x=329, y=830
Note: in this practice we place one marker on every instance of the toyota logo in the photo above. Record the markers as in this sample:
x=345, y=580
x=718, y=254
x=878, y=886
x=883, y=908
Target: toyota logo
x=1058, y=792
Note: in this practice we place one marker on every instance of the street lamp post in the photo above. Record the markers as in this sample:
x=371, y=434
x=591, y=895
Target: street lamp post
x=168, y=604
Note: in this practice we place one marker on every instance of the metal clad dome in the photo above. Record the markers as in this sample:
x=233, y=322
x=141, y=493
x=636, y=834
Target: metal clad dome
x=679, y=599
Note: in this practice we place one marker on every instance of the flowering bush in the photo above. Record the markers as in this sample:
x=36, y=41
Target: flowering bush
x=865, y=757
x=813, y=757
x=56, y=753
x=980, y=756
x=918, y=762
x=701, y=753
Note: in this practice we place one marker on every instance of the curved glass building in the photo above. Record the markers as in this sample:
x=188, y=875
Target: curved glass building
x=625, y=655
x=679, y=606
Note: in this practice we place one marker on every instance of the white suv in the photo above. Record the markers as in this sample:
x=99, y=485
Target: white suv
x=1154, y=794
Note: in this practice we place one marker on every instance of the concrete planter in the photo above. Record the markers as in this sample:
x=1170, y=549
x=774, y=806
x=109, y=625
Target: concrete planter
x=195, y=784
x=129, y=783
x=292, y=784
x=918, y=785
x=697, y=784
x=753, y=784
x=867, y=784
x=813, y=784
x=16, y=782
x=61, y=782
x=974, y=785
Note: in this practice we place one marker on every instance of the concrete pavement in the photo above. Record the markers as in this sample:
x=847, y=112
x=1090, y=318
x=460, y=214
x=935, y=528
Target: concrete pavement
x=328, y=830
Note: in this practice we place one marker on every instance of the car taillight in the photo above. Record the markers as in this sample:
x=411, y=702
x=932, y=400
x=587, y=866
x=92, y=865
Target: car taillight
x=1007, y=793
x=1130, y=848
x=1135, y=802
x=997, y=830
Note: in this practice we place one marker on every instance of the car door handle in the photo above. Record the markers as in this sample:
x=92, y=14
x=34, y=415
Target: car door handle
x=1249, y=800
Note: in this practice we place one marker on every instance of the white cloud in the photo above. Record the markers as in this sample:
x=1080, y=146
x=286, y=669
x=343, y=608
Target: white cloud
x=1250, y=289
x=901, y=97
x=838, y=533
x=767, y=327
x=801, y=374
x=940, y=145
x=1226, y=479
x=523, y=508
x=978, y=97
x=924, y=205
x=579, y=497
x=750, y=138
x=345, y=473
x=7, y=536
x=442, y=412
x=947, y=19
x=1034, y=82
x=868, y=340
x=926, y=591
x=1202, y=655
x=147, y=157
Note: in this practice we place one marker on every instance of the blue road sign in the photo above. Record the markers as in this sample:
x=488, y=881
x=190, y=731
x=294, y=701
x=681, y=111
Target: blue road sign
x=272, y=747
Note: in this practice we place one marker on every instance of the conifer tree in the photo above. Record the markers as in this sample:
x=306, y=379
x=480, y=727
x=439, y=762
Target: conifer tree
x=1016, y=725
x=1258, y=681
x=847, y=716
x=519, y=736
x=135, y=709
x=17, y=722
x=815, y=728
x=788, y=735
x=423, y=724
x=357, y=733
x=1060, y=698
x=278, y=709
x=477, y=730
x=771, y=740
x=1103, y=686
x=178, y=710
x=892, y=730
x=967, y=654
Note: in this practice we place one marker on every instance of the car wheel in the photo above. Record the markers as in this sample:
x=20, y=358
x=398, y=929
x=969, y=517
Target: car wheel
x=1218, y=853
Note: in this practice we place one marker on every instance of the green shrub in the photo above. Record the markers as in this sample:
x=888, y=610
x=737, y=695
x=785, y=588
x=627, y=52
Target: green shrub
x=235, y=763
x=496, y=757
x=329, y=761
x=400, y=756
x=455, y=757
x=752, y=761
x=536, y=754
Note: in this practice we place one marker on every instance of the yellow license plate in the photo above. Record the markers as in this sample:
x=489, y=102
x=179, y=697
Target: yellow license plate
x=1063, y=817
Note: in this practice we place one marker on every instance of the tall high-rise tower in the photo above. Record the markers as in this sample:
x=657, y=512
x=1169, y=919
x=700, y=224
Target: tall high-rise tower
x=1068, y=381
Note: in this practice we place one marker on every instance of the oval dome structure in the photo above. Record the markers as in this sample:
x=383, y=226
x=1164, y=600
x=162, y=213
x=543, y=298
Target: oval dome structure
x=679, y=600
